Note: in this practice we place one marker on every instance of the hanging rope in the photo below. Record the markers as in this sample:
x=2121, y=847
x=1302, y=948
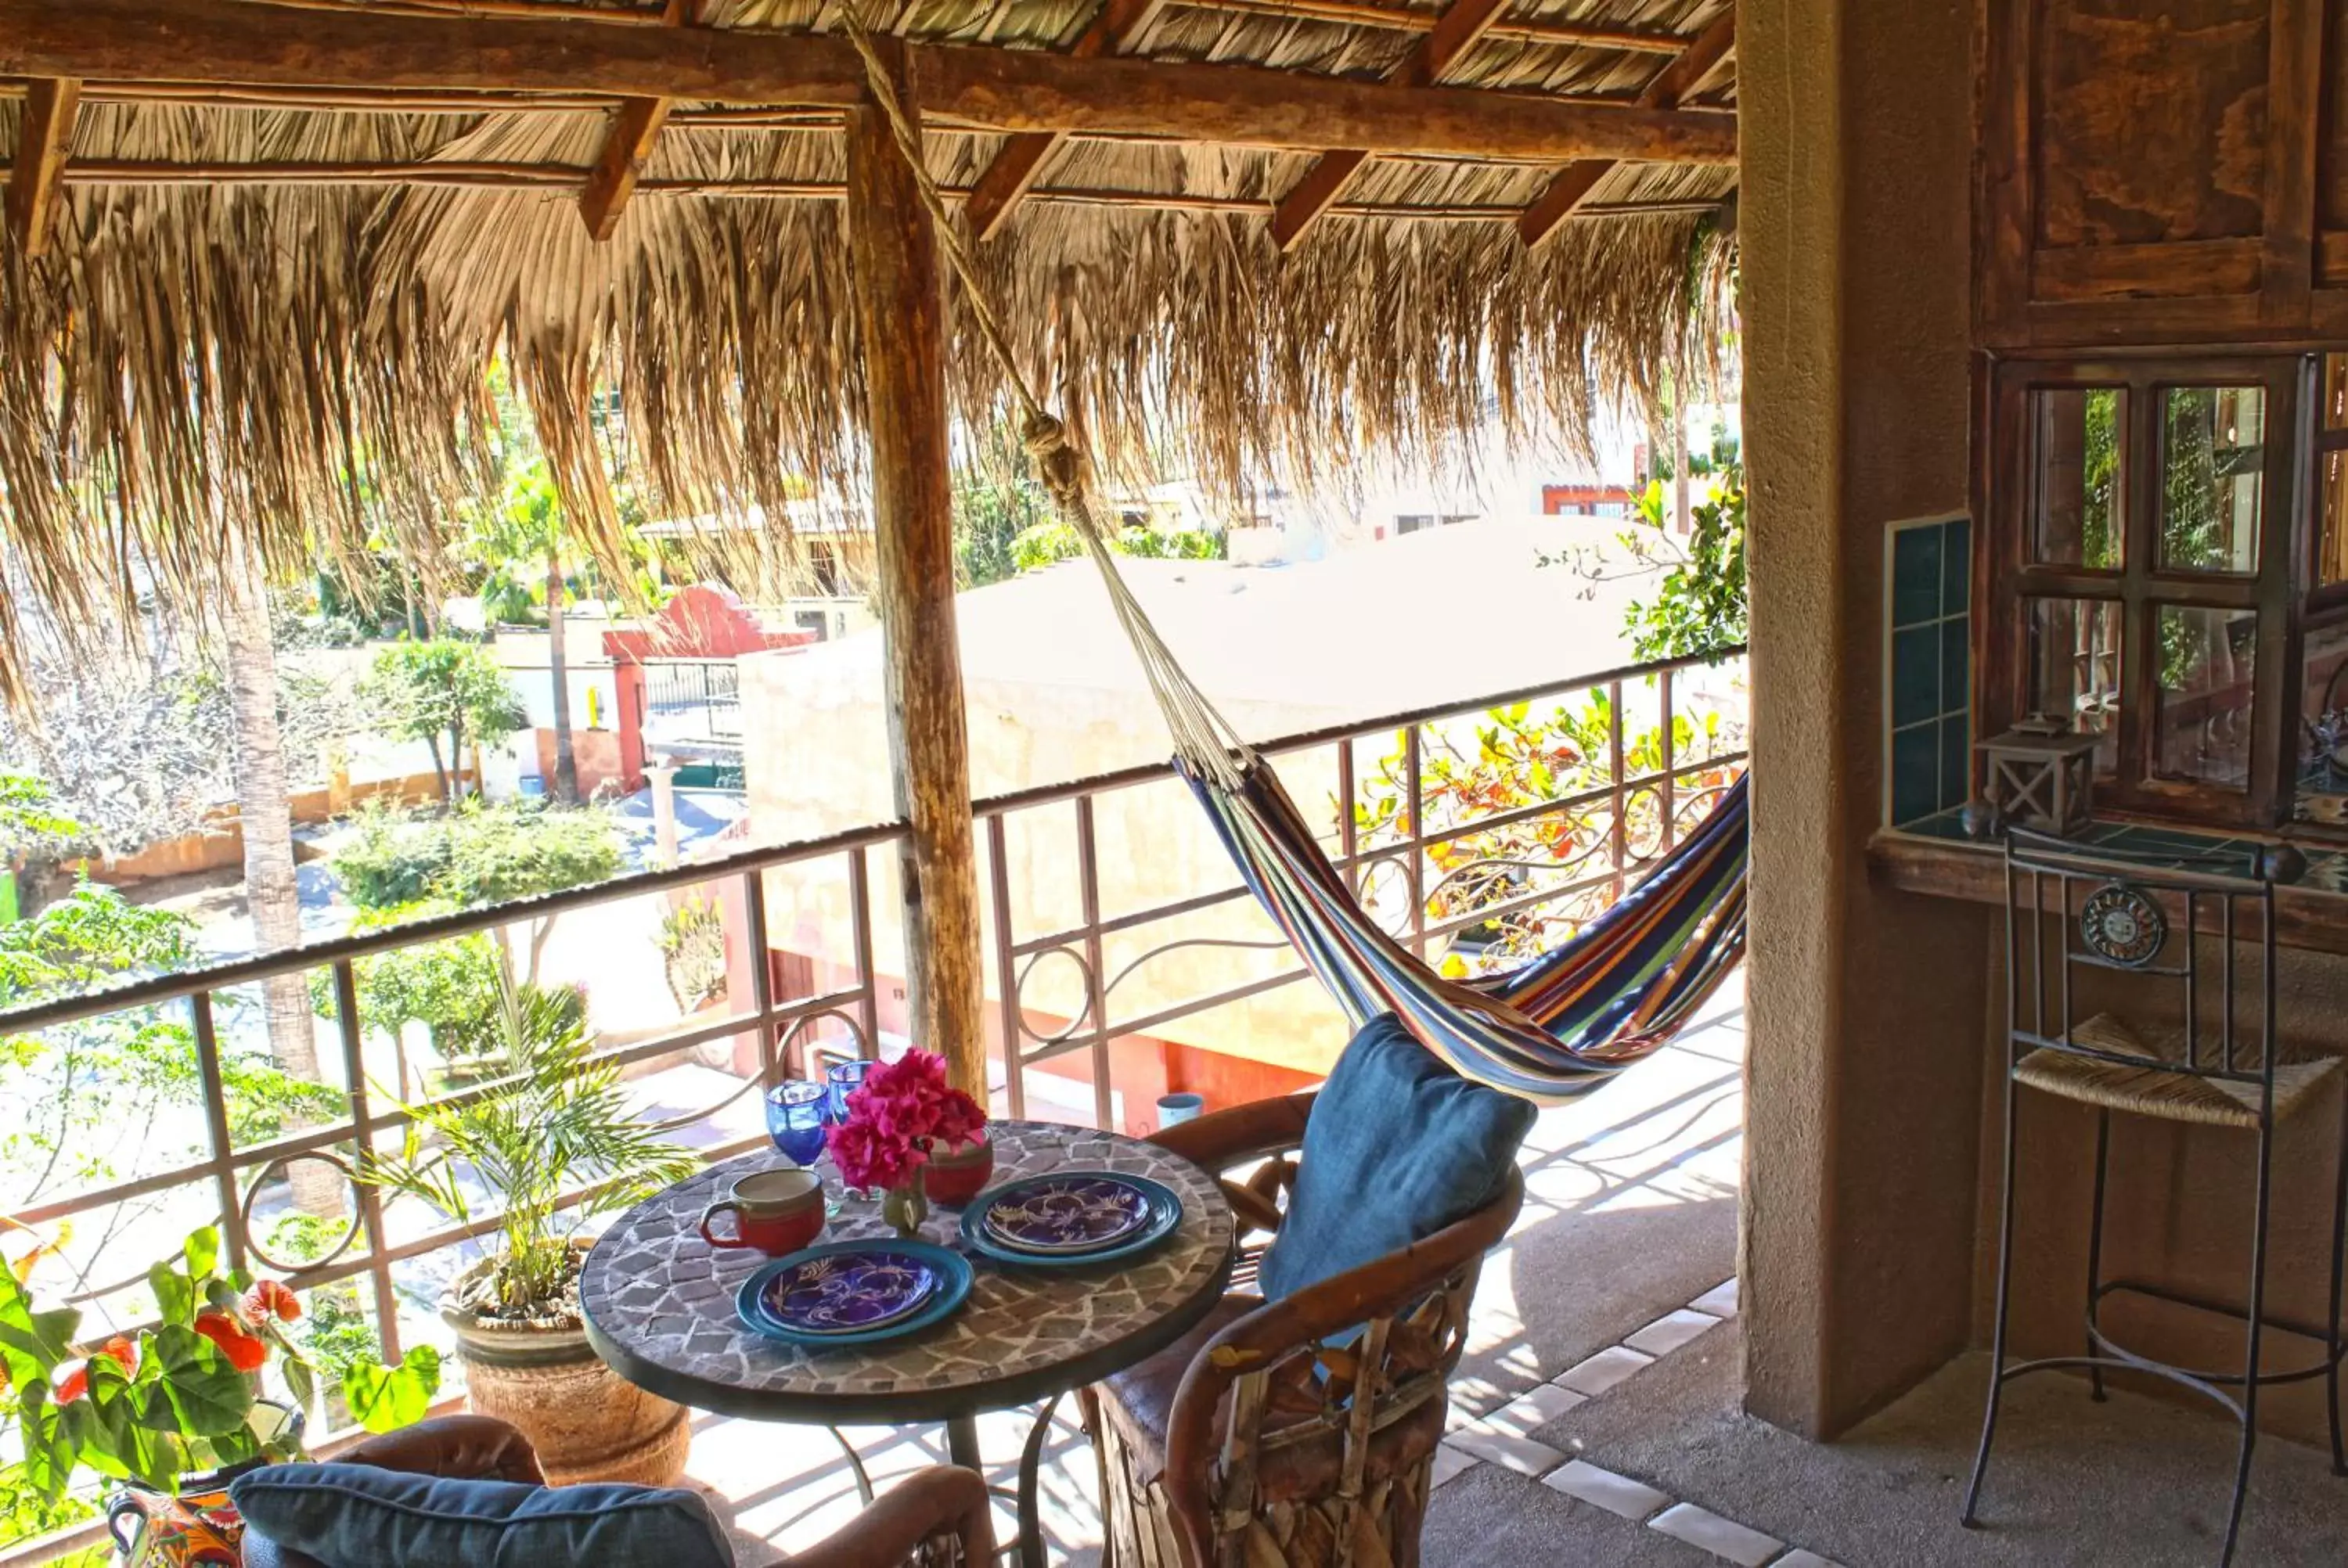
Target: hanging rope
x=1203, y=738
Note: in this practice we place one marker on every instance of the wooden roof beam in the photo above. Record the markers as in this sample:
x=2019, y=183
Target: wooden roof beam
x=1671, y=86
x=43, y=139
x=635, y=127
x=236, y=41
x=1456, y=31
x=1014, y=168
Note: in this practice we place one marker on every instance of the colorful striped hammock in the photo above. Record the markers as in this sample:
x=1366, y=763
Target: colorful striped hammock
x=1555, y=1027
x=1549, y=1031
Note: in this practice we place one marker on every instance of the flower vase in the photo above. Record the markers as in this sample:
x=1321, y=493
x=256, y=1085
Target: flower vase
x=904, y=1208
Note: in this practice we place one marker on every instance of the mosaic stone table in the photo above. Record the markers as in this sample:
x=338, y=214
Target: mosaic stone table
x=659, y=1304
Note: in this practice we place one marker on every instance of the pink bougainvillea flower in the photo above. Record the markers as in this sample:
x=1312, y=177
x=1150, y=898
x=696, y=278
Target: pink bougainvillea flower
x=958, y=1119
x=870, y=1157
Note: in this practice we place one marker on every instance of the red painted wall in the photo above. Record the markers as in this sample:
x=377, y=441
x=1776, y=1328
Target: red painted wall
x=703, y=621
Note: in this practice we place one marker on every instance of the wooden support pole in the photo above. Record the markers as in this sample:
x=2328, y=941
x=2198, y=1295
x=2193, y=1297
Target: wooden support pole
x=43, y=139
x=1673, y=84
x=636, y=127
x=1455, y=32
x=900, y=320
x=241, y=43
x=1022, y=159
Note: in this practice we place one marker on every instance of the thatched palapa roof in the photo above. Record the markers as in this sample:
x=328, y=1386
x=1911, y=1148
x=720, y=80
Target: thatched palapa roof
x=262, y=252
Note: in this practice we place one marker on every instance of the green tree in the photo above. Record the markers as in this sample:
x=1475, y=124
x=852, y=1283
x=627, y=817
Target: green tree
x=397, y=862
x=1701, y=602
x=446, y=689
x=521, y=539
x=83, y=1093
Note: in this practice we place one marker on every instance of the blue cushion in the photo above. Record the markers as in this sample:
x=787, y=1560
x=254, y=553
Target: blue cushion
x=1398, y=1147
x=358, y=1516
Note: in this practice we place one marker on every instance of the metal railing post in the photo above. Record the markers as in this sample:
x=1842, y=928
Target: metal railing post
x=1006, y=964
x=771, y=1071
x=347, y=1020
x=1669, y=763
x=1096, y=991
x=1618, y=834
x=1415, y=862
x=216, y=1127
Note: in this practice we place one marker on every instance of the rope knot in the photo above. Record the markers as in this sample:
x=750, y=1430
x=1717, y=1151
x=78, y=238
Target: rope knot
x=1058, y=464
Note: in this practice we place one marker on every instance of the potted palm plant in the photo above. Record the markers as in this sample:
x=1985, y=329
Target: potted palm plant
x=555, y=1121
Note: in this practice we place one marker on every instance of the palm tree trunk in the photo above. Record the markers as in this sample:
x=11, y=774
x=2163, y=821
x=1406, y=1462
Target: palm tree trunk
x=566, y=763
x=273, y=896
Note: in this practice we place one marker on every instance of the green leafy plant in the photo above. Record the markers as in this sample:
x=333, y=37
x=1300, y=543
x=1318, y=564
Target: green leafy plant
x=442, y=690
x=88, y=1092
x=1048, y=542
x=478, y=854
x=1703, y=602
x=28, y=814
x=175, y=1397
x=693, y=952
x=450, y=986
x=555, y=1120
x=1512, y=759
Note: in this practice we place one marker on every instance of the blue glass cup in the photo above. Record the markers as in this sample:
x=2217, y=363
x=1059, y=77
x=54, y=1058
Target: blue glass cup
x=796, y=1113
x=843, y=1079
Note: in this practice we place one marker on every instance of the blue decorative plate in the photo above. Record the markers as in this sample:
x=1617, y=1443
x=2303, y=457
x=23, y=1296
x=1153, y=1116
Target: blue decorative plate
x=1067, y=1214
x=848, y=1291
x=1165, y=1216
x=854, y=1292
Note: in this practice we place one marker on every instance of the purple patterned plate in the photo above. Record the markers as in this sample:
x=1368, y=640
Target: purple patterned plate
x=1062, y=1214
x=848, y=1291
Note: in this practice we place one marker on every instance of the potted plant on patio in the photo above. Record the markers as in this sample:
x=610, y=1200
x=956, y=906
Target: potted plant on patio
x=556, y=1121
x=172, y=1411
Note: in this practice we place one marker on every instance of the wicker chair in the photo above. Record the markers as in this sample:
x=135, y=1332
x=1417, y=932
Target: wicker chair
x=936, y=1518
x=1255, y=1439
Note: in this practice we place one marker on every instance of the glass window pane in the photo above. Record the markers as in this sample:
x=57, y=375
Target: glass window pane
x=2335, y=392
x=2212, y=463
x=2201, y=720
x=2073, y=656
x=2077, y=435
x=2332, y=543
x=2324, y=725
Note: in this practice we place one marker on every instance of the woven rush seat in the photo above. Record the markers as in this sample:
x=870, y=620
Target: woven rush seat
x=2162, y=1088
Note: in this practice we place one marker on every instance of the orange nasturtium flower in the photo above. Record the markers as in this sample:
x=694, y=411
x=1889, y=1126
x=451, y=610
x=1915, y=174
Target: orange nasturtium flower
x=271, y=1297
x=73, y=1382
x=246, y=1351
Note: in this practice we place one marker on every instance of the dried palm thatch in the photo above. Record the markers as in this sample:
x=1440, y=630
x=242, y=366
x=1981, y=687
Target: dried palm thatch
x=207, y=373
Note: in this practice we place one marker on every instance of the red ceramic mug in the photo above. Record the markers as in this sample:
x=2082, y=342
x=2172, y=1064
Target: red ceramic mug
x=774, y=1211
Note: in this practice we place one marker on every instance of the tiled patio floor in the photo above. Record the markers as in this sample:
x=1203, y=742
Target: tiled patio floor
x=1596, y=1418
x=1631, y=1215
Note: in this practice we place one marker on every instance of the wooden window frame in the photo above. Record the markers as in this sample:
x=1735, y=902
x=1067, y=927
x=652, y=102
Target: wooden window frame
x=2274, y=591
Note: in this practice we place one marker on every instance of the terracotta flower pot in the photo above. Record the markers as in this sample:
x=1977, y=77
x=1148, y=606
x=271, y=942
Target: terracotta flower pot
x=586, y=1421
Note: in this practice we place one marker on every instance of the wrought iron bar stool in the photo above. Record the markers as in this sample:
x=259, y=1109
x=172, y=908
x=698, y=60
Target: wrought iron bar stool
x=2073, y=911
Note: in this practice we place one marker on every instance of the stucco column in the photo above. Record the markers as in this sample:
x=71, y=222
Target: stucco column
x=662, y=775
x=1867, y=1007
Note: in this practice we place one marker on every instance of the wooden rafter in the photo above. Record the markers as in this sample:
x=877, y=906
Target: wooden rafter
x=225, y=42
x=1360, y=13
x=1014, y=170
x=1455, y=32
x=451, y=174
x=1671, y=86
x=636, y=127
x=43, y=139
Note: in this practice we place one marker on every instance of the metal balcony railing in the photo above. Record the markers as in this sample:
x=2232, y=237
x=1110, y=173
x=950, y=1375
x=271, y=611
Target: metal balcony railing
x=1477, y=830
